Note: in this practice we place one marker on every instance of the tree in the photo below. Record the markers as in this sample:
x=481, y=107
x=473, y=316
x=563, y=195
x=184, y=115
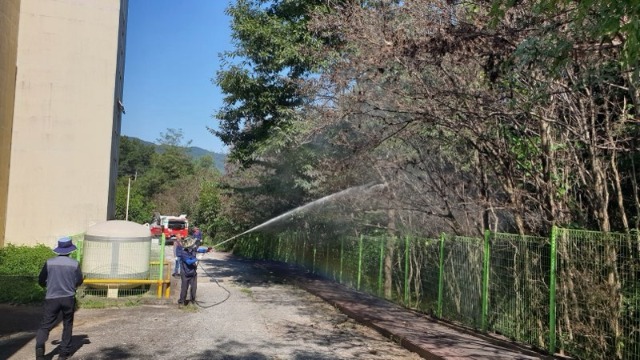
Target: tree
x=530, y=116
x=158, y=177
x=134, y=157
x=490, y=95
x=181, y=195
x=261, y=91
x=261, y=119
x=140, y=208
x=208, y=212
x=173, y=159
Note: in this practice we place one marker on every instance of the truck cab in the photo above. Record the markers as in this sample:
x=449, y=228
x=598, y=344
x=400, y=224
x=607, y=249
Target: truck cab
x=170, y=226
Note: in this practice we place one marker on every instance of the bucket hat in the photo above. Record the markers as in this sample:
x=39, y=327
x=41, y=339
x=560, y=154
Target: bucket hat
x=65, y=246
x=188, y=242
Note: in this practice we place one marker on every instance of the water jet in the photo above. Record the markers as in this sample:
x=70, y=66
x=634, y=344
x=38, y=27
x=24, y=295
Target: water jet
x=367, y=187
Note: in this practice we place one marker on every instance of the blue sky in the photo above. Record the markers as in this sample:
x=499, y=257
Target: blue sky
x=171, y=56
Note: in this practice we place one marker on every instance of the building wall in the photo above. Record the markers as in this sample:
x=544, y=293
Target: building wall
x=9, y=21
x=66, y=123
x=118, y=103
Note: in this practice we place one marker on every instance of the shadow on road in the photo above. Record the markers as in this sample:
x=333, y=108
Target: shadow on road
x=18, y=327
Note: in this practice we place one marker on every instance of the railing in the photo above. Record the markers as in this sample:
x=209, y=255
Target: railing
x=575, y=292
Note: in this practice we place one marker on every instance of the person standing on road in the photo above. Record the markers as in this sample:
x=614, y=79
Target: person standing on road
x=188, y=274
x=177, y=244
x=61, y=275
x=197, y=235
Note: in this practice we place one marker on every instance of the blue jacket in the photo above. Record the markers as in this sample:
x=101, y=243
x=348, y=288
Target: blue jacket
x=188, y=262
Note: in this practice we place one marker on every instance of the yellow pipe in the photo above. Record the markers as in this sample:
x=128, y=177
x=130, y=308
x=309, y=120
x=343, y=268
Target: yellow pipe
x=125, y=281
x=161, y=282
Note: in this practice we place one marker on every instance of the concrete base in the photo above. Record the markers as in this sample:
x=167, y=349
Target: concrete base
x=112, y=292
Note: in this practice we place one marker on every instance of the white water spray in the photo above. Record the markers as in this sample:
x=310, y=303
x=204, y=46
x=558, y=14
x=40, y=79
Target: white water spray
x=308, y=206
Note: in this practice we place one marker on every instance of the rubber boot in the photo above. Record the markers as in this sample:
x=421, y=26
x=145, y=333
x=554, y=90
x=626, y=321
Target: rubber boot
x=39, y=353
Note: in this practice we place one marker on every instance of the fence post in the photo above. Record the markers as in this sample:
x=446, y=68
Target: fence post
x=313, y=266
x=279, y=246
x=407, y=252
x=441, y=276
x=552, y=291
x=485, y=279
x=77, y=254
x=341, y=257
x=161, y=271
x=326, y=263
x=296, y=238
x=304, y=249
x=381, y=268
x=359, y=261
x=287, y=249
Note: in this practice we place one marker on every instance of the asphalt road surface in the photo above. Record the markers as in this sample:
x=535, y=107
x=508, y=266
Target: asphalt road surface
x=247, y=314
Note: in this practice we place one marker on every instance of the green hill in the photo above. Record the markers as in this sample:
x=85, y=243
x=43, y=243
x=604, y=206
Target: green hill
x=195, y=152
x=218, y=159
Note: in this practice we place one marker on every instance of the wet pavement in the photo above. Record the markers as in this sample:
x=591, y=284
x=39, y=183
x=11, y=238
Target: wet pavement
x=417, y=332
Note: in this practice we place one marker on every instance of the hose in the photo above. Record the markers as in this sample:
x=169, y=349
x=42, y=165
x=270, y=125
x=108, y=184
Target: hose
x=213, y=279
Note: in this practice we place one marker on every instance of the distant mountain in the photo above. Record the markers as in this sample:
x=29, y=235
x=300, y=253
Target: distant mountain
x=195, y=152
x=218, y=159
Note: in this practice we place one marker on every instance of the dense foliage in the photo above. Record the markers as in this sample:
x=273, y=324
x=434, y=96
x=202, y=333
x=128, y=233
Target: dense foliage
x=526, y=111
x=23, y=260
x=19, y=269
x=509, y=116
x=168, y=182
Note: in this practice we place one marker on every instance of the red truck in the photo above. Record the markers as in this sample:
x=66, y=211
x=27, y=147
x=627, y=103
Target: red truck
x=170, y=225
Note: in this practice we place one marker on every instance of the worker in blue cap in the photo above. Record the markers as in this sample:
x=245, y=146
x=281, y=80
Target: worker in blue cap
x=61, y=275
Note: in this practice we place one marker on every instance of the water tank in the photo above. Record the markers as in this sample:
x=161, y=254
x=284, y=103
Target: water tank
x=116, y=249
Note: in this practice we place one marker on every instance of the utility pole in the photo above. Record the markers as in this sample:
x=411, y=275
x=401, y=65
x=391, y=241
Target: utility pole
x=126, y=216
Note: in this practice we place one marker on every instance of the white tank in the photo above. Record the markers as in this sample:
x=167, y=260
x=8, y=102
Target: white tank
x=116, y=249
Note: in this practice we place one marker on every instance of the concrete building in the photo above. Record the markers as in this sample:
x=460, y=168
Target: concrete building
x=61, y=79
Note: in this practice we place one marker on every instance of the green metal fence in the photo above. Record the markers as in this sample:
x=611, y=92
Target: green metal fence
x=518, y=288
x=574, y=292
x=597, y=294
x=462, y=280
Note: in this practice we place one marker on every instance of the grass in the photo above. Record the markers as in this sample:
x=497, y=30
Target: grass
x=191, y=308
x=247, y=291
x=103, y=303
x=93, y=304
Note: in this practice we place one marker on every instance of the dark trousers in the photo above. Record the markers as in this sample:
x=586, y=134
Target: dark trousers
x=52, y=307
x=188, y=282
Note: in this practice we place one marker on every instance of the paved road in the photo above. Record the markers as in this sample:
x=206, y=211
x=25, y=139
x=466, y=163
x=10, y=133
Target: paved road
x=261, y=316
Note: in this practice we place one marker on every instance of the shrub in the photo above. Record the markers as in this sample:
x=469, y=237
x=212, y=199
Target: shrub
x=23, y=260
x=19, y=269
